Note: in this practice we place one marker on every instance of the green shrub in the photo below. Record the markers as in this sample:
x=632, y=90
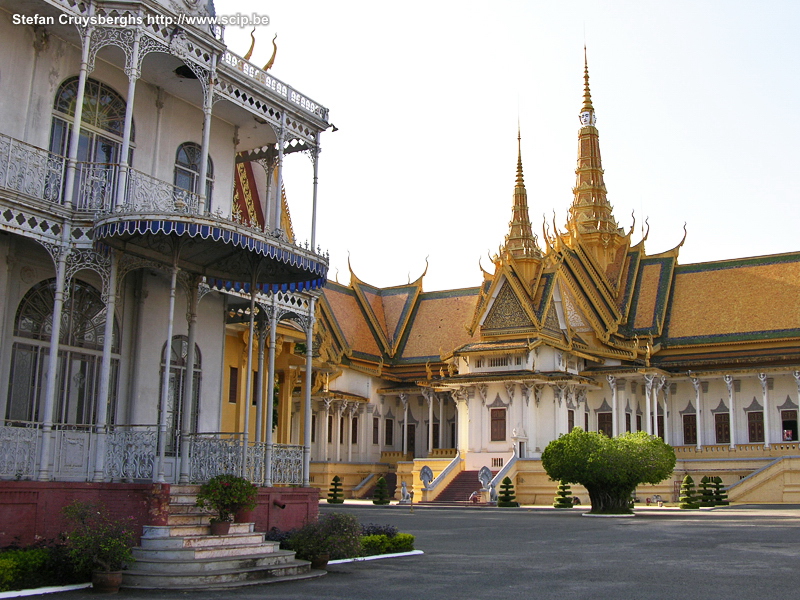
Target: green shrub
x=402, y=542
x=336, y=534
x=688, y=499
x=8, y=573
x=381, y=495
x=706, y=497
x=507, y=497
x=374, y=544
x=720, y=495
x=96, y=539
x=46, y=563
x=335, y=494
x=563, y=497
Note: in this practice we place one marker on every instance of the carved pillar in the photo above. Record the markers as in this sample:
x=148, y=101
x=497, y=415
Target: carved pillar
x=404, y=433
x=273, y=324
x=72, y=154
x=276, y=224
x=664, y=385
x=762, y=377
x=648, y=390
x=262, y=345
x=110, y=299
x=337, y=440
x=698, y=388
x=248, y=386
x=208, y=104
x=132, y=71
x=307, y=397
x=325, y=439
x=429, y=398
x=162, y=421
x=462, y=423
x=193, y=297
x=612, y=382
x=315, y=158
x=442, y=422
x=731, y=410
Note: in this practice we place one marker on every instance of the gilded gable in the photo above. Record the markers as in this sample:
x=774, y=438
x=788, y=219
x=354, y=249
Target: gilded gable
x=506, y=311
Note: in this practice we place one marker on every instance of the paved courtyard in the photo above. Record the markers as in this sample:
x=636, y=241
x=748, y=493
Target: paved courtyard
x=733, y=553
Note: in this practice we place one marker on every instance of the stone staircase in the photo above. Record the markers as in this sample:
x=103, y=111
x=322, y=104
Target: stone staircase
x=182, y=555
x=458, y=491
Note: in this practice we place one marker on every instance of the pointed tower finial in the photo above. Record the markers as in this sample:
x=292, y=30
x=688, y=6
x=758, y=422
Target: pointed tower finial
x=520, y=181
x=520, y=241
x=587, y=110
x=590, y=212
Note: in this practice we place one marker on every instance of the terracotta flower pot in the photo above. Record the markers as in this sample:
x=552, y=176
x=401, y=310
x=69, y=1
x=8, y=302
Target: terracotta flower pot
x=220, y=527
x=106, y=582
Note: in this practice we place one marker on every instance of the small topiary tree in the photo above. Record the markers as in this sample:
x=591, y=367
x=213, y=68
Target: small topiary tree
x=381, y=495
x=706, y=496
x=720, y=495
x=563, y=497
x=507, y=496
x=688, y=498
x=335, y=494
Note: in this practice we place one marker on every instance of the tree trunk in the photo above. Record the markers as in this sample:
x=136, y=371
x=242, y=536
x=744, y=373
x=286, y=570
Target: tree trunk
x=609, y=500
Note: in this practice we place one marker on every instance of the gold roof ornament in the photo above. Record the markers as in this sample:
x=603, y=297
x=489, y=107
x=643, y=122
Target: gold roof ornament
x=271, y=61
x=252, y=45
x=520, y=243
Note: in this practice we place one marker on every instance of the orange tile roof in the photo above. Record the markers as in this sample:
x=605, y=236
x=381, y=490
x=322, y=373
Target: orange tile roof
x=648, y=292
x=440, y=323
x=737, y=297
x=350, y=319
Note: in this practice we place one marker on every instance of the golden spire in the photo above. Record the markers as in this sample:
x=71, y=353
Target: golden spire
x=590, y=211
x=520, y=241
x=587, y=94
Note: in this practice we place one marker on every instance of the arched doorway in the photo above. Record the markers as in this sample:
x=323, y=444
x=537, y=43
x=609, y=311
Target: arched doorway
x=178, y=373
x=79, y=356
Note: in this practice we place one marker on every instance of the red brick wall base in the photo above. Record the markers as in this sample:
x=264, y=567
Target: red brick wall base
x=31, y=510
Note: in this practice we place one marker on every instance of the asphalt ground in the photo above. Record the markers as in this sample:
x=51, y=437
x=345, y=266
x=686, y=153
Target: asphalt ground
x=732, y=553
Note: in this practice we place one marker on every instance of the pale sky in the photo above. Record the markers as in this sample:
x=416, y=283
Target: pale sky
x=697, y=103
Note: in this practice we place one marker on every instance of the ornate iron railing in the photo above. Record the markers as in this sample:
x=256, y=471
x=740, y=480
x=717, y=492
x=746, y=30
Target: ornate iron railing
x=31, y=170
x=287, y=464
x=210, y=455
x=148, y=194
x=19, y=442
x=131, y=452
x=275, y=85
x=95, y=186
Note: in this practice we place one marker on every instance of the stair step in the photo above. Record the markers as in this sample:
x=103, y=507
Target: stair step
x=296, y=569
x=184, y=489
x=188, y=530
x=188, y=519
x=188, y=562
x=205, y=552
x=203, y=541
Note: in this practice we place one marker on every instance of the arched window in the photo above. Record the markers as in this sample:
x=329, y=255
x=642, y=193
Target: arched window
x=187, y=170
x=178, y=368
x=81, y=341
x=102, y=121
x=99, y=144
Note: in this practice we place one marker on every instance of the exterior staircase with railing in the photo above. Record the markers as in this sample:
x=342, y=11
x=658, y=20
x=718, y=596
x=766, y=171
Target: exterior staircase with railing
x=459, y=490
x=183, y=555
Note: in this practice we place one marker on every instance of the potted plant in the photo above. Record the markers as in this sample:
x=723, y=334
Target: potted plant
x=98, y=543
x=226, y=494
